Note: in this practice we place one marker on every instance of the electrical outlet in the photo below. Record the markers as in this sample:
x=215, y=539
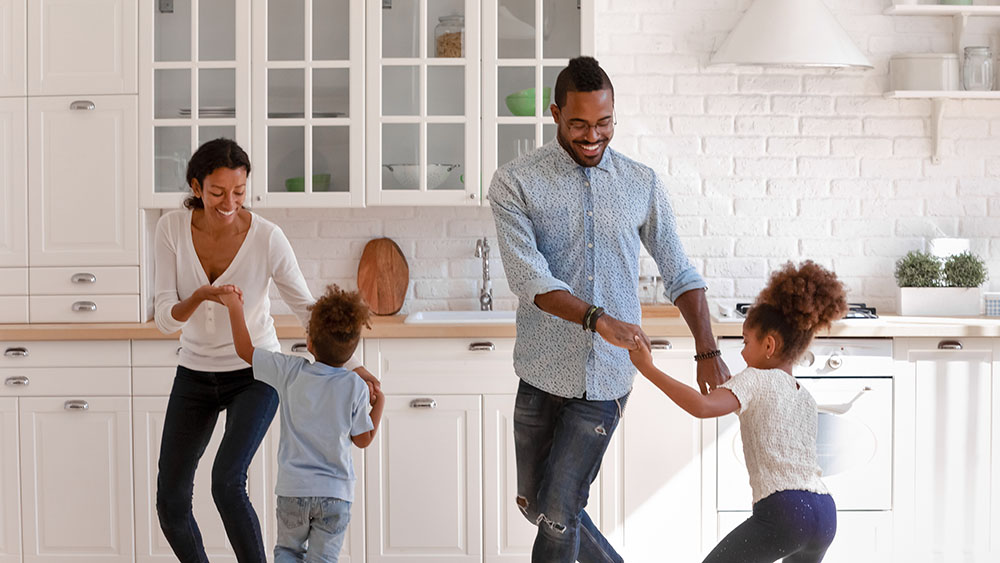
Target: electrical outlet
x=166, y=6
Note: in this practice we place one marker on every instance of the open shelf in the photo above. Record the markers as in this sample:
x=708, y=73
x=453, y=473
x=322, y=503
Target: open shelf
x=946, y=94
x=941, y=10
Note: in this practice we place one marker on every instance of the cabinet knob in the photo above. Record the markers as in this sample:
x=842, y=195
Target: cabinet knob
x=482, y=347
x=300, y=348
x=16, y=381
x=423, y=403
x=83, y=277
x=660, y=344
x=84, y=306
x=949, y=345
x=835, y=361
x=76, y=405
x=83, y=104
x=16, y=352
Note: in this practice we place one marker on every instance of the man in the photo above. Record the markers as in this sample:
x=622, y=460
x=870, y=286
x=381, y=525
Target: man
x=570, y=217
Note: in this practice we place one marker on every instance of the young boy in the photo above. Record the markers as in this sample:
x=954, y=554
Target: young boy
x=324, y=407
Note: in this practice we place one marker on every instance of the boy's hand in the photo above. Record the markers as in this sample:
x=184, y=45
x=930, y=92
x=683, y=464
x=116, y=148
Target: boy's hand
x=641, y=355
x=374, y=385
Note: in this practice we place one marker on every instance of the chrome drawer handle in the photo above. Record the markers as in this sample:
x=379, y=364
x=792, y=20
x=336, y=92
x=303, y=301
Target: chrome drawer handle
x=300, y=348
x=84, y=277
x=425, y=403
x=660, y=344
x=82, y=306
x=949, y=345
x=16, y=381
x=83, y=104
x=482, y=347
x=16, y=352
x=76, y=405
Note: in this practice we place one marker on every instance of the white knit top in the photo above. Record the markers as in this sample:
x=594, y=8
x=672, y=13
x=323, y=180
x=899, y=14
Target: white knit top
x=778, y=421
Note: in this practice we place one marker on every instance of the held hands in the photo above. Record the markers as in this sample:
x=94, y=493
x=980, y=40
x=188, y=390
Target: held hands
x=213, y=293
x=230, y=296
x=620, y=333
x=712, y=373
x=374, y=385
x=641, y=355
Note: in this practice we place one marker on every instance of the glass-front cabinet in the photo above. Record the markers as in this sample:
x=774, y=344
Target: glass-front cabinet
x=526, y=43
x=194, y=87
x=308, y=105
x=423, y=127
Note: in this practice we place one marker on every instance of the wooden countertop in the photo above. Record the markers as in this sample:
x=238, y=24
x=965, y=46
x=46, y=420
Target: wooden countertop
x=287, y=326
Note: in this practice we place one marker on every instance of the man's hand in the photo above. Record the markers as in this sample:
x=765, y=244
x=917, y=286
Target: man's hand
x=374, y=385
x=641, y=356
x=712, y=373
x=620, y=333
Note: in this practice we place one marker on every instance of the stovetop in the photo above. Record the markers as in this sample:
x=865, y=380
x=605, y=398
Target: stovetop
x=854, y=311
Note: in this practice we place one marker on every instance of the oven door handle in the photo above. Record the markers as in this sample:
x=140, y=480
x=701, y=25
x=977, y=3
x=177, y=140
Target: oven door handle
x=842, y=408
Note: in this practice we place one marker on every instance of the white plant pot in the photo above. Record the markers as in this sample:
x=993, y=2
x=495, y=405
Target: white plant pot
x=939, y=301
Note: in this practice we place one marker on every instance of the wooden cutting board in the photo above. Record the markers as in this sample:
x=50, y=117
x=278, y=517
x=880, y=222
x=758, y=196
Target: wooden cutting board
x=383, y=276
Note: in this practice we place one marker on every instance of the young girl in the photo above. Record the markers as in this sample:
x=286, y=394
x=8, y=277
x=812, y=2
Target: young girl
x=793, y=515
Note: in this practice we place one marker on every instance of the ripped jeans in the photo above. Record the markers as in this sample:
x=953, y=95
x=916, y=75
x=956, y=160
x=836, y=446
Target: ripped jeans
x=559, y=445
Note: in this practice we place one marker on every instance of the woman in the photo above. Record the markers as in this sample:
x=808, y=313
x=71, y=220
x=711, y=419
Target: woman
x=213, y=247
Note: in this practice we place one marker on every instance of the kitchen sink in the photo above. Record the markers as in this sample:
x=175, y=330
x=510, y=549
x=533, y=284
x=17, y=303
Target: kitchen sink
x=460, y=317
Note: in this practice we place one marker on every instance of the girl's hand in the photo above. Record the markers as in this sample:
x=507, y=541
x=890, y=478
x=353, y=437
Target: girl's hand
x=641, y=355
x=213, y=293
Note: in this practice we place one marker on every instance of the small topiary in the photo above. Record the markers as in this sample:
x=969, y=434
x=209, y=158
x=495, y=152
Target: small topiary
x=918, y=269
x=964, y=270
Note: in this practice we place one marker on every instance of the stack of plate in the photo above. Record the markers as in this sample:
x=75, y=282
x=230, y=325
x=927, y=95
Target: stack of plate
x=210, y=111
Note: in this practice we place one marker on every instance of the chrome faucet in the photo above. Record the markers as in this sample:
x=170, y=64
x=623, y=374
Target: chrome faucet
x=486, y=292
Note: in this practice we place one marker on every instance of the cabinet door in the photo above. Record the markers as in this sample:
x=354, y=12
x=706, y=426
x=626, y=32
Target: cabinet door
x=82, y=202
x=76, y=475
x=13, y=183
x=663, y=464
x=423, y=102
x=10, y=484
x=149, y=543
x=81, y=47
x=12, y=47
x=424, y=480
x=946, y=454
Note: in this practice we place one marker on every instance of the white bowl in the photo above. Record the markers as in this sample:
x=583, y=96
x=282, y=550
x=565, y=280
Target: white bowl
x=408, y=175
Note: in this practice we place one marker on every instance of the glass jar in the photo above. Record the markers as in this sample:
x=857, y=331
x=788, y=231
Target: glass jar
x=977, y=69
x=647, y=289
x=449, y=37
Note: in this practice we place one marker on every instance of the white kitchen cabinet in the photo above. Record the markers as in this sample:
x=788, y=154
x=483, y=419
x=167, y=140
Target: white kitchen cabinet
x=946, y=503
x=10, y=483
x=13, y=210
x=13, y=22
x=82, y=202
x=81, y=47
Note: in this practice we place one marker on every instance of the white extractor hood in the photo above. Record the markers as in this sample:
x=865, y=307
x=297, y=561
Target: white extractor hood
x=794, y=33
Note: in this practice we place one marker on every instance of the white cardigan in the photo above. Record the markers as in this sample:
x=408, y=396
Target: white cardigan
x=206, y=337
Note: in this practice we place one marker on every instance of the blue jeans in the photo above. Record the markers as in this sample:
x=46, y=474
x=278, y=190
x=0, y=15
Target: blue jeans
x=196, y=399
x=559, y=444
x=311, y=529
x=795, y=525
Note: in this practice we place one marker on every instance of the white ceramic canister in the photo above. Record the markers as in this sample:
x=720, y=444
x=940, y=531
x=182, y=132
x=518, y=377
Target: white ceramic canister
x=924, y=71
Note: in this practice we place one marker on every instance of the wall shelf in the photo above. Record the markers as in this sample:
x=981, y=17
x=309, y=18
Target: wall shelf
x=940, y=97
x=941, y=10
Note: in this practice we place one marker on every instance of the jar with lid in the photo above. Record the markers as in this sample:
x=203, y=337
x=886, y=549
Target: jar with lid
x=977, y=69
x=449, y=36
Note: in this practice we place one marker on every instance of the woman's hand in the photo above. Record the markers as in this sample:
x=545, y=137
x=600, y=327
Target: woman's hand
x=641, y=356
x=213, y=293
x=374, y=385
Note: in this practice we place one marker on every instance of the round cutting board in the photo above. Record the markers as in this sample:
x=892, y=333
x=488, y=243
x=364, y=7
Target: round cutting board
x=383, y=276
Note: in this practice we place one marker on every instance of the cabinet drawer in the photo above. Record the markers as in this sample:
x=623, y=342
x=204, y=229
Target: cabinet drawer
x=155, y=353
x=62, y=382
x=85, y=280
x=151, y=381
x=421, y=365
x=69, y=353
x=13, y=281
x=84, y=309
x=13, y=309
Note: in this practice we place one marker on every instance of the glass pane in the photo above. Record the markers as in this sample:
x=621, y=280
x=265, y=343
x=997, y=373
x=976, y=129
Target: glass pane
x=217, y=92
x=331, y=159
x=560, y=29
x=400, y=90
x=516, y=91
x=400, y=33
x=217, y=30
x=172, y=35
x=207, y=133
x=171, y=149
x=331, y=92
x=172, y=93
x=400, y=156
x=445, y=156
x=446, y=28
x=285, y=30
x=548, y=132
x=286, y=92
x=513, y=141
x=285, y=159
x=516, y=29
x=332, y=30
x=549, y=75
x=446, y=90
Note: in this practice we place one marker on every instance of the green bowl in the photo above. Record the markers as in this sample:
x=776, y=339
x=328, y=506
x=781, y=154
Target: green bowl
x=523, y=102
x=321, y=183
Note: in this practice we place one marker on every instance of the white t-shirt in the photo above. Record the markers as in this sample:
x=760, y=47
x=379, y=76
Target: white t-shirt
x=206, y=337
x=778, y=423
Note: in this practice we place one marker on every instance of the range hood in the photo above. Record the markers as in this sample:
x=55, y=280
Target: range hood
x=791, y=33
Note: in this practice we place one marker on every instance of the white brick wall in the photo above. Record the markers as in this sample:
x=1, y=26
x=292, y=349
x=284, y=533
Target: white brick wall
x=764, y=166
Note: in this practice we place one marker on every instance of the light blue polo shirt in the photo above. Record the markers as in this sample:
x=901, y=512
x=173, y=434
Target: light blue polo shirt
x=321, y=408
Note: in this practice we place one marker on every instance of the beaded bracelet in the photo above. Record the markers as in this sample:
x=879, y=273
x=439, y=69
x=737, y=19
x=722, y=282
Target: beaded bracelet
x=708, y=355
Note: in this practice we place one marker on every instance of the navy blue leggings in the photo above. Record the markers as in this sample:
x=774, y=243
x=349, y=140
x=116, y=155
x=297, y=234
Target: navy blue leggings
x=795, y=525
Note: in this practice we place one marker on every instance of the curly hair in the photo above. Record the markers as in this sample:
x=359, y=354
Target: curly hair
x=798, y=302
x=210, y=156
x=335, y=324
x=583, y=74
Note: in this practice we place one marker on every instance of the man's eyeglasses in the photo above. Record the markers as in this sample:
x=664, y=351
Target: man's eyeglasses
x=578, y=127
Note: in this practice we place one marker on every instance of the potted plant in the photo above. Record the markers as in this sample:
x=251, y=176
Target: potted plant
x=930, y=287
